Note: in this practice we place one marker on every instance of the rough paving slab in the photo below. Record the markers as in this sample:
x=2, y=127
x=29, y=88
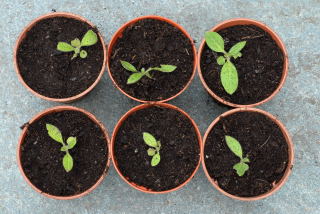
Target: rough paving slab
x=297, y=106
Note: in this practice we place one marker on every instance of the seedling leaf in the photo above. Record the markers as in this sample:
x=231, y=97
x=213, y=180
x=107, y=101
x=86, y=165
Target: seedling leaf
x=134, y=78
x=234, y=146
x=149, y=139
x=128, y=66
x=76, y=42
x=71, y=141
x=155, y=160
x=234, y=50
x=67, y=162
x=246, y=160
x=83, y=54
x=54, y=133
x=214, y=41
x=221, y=60
x=165, y=68
x=64, y=47
x=90, y=38
x=229, y=77
x=64, y=149
x=241, y=168
x=151, y=152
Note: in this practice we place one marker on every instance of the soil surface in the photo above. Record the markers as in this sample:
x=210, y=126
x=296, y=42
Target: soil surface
x=259, y=68
x=179, y=148
x=41, y=157
x=149, y=43
x=50, y=72
x=261, y=139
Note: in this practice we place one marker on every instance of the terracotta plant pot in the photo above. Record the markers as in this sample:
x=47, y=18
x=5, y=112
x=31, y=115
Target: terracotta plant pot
x=120, y=124
x=22, y=37
x=119, y=33
x=54, y=110
x=287, y=170
x=275, y=37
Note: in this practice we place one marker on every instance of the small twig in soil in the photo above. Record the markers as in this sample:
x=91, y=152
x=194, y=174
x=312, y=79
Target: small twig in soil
x=252, y=37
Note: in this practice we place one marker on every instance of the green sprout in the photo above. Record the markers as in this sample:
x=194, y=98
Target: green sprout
x=137, y=75
x=154, y=152
x=228, y=74
x=90, y=38
x=56, y=135
x=236, y=148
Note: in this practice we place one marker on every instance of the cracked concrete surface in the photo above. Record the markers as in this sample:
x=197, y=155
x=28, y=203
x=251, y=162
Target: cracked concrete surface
x=297, y=106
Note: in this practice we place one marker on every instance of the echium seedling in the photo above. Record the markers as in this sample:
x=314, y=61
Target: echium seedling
x=154, y=152
x=90, y=38
x=56, y=135
x=137, y=75
x=236, y=148
x=228, y=74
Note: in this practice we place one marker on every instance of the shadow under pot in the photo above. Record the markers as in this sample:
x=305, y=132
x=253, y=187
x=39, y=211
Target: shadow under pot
x=151, y=58
x=60, y=57
x=247, y=154
x=156, y=148
x=242, y=63
x=63, y=152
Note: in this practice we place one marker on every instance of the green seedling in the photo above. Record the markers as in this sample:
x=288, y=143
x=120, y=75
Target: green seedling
x=236, y=148
x=56, y=135
x=137, y=75
x=154, y=151
x=228, y=74
x=90, y=38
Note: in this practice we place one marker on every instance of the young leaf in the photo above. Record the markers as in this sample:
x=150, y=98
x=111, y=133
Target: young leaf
x=151, y=152
x=83, y=54
x=149, y=139
x=134, y=78
x=128, y=66
x=54, y=133
x=237, y=55
x=76, y=42
x=165, y=68
x=67, y=162
x=71, y=141
x=245, y=160
x=221, y=60
x=90, y=38
x=234, y=50
x=229, y=77
x=214, y=41
x=234, y=146
x=241, y=168
x=64, y=148
x=155, y=160
x=64, y=47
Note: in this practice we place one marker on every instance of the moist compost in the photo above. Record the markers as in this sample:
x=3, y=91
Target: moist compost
x=41, y=157
x=149, y=43
x=259, y=68
x=50, y=72
x=179, y=148
x=261, y=139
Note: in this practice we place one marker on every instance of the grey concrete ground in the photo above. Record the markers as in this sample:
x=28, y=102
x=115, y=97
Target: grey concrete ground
x=297, y=106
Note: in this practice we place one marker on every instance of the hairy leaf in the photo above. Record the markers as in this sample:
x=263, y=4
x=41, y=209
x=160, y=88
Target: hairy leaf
x=155, y=160
x=221, y=60
x=83, y=54
x=241, y=168
x=234, y=50
x=151, y=152
x=90, y=38
x=214, y=41
x=54, y=133
x=234, y=146
x=71, y=141
x=229, y=77
x=67, y=162
x=149, y=139
x=64, y=47
x=76, y=42
x=128, y=66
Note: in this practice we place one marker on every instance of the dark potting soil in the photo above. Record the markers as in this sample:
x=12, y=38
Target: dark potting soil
x=50, y=72
x=149, y=43
x=41, y=157
x=179, y=148
x=259, y=68
x=261, y=139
